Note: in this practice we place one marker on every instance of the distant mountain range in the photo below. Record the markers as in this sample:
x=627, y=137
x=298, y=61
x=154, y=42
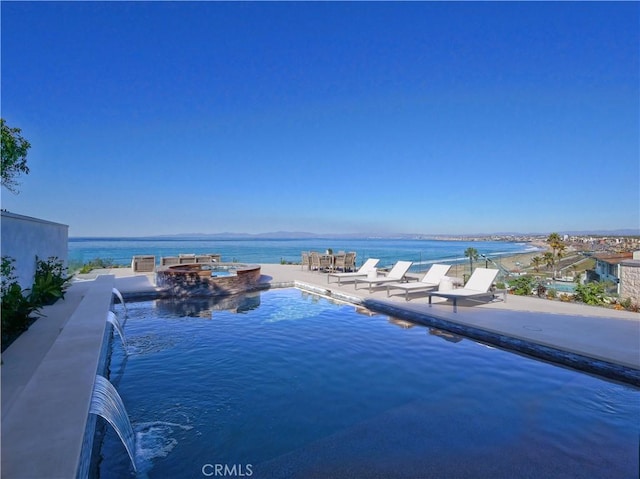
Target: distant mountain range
x=306, y=235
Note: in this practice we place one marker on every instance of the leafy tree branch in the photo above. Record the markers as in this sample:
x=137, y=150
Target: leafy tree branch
x=14, y=156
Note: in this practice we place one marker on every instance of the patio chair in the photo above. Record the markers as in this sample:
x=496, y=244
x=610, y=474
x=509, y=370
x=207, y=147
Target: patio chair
x=169, y=260
x=315, y=261
x=207, y=258
x=365, y=269
x=350, y=261
x=478, y=285
x=431, y=280
x=396, y=274
x=339, y=262
x=326, y=262
x=306, y=260
x=186, y=258
x=143, y=264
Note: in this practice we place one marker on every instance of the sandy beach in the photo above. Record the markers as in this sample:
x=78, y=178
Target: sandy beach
x=517, y=262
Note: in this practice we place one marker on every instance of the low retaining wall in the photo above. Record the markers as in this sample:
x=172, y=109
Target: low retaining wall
x=24, y=238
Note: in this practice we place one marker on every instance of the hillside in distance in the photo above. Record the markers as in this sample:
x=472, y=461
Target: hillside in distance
x=307, y=235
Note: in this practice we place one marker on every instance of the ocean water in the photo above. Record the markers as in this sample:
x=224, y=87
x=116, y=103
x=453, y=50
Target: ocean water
x=421, y=252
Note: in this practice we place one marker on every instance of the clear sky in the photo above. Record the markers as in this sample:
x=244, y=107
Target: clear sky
x=169, y=117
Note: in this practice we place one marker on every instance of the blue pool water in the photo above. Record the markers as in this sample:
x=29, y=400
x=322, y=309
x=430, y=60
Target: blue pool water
x=561, y=287
x=287, y=384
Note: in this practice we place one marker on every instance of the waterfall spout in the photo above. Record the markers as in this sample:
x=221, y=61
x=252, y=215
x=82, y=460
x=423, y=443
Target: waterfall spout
x=113, y=319
x=106, y=403
x=119, y=296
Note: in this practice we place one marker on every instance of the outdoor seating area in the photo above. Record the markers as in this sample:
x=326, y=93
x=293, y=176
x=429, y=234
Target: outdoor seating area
x=328, y=261
x=434, y=282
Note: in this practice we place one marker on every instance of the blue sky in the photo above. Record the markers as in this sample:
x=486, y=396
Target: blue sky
x=159, y=117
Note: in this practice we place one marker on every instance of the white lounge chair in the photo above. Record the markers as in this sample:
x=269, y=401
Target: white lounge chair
x=396, y=274
x=431, y=280
x=363, y=271
x=478, y=285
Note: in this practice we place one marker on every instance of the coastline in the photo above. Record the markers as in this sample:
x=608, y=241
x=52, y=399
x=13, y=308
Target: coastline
x=514, y=262
x=517, y=261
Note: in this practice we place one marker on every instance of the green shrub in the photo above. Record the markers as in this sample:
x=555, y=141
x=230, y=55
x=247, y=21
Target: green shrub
x=20, y=305
x=7, y=272
x=96, y=263
x=552, y=294
x=541, y=290
x=17, y=310
x=522, y=285
x=50, y=281
x=590, y=293
x=629, y=305
x=17, y=307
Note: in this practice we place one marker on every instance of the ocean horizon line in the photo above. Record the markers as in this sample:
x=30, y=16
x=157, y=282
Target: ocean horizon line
x=296, y=235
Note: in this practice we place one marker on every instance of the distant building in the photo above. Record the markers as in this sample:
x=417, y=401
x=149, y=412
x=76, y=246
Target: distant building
x=608, y=267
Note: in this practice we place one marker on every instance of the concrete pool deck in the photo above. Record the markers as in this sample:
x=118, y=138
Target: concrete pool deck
x=47, y=374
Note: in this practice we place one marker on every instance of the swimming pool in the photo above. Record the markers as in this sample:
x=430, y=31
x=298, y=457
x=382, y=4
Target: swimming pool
x=561, y=287
x=288, y=384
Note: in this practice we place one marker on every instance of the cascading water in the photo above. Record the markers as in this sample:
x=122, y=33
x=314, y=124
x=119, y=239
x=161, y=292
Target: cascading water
x=113, y=319
x=119, y=296
x=107, y=403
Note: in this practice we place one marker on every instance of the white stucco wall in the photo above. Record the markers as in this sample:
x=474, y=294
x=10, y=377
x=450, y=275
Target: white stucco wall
x=630, y=280
x=23, y=238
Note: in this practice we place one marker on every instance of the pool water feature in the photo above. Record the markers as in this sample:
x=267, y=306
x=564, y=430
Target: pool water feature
x=208, y=279
x=116, y=292
x=106, y=402
x=296, y=386
x=115, y=322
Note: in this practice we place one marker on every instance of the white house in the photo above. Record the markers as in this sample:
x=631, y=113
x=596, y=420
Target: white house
x=608, y=267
